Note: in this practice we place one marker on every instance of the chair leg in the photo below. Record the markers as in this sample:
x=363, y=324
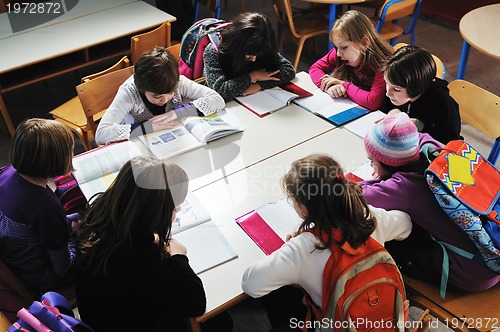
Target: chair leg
x=298, y=53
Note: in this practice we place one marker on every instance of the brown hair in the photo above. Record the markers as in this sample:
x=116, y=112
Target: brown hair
x=42, y=148
x=157, y=71
x=356, y=27
x=317, y=182
x=412, y=68
x=139, y=204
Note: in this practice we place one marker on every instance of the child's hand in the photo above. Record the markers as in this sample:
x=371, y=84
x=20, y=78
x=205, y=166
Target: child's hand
x=253, y=88
x=289, y=236
x=175, y=248
x=327, y=81
x=337, y=91
x=260, y=75
x=164, y=121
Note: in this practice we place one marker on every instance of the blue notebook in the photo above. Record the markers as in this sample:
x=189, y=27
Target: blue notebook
x=348, y=115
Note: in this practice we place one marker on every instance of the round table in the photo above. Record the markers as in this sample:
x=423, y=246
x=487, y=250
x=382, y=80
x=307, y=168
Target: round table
x=480, y=28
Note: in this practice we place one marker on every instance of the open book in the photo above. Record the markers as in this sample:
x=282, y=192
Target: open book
x=206, y=245
x=362, y=173
x=193, y=132
x=267, y=101
x=95, y=170
x=321, y=104
x=360, y=127
x=269, y=225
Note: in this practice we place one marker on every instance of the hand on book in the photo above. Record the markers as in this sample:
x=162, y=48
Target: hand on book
x=253, y=88
x=164, y=121
x=328, y=81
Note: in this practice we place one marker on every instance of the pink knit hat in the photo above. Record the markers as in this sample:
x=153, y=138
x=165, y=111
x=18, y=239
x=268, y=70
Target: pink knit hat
x=393, y=141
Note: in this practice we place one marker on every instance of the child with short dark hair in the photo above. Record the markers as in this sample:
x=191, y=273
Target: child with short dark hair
x=154, y=94
x=413, y=88
x=36, y=239
x=355, y=62
x=327, y=203
x=247, y=59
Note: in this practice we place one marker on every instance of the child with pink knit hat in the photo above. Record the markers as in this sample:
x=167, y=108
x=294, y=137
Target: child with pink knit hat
x=394, y=147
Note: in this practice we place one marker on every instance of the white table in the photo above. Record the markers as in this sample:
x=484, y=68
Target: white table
x=78, y=40
x=251, y=188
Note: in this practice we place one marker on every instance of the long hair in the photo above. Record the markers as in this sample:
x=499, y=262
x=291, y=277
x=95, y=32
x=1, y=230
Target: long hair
x=355, y=26
x=139, y=204
x=42, y=148
x=248, y=34
x=317, y=182
x=412, y=68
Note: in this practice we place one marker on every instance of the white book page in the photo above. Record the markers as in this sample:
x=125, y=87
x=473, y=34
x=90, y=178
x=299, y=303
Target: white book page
x=282, y=95
x=361, y=126
x=281, y=217
x=169, y=143
x=211, y=127
x=192, y=213
x=108, y=159
x=321, y=103
x=261, y=102
x=99, y=185
x=365, y=171
x=206, y=246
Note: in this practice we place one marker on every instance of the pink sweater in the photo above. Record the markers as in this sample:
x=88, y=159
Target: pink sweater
x=371, y=99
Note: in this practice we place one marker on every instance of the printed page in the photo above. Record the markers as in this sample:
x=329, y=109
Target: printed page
x=99, y=185
x=192, y=213
x=362, y=173
x=283, y=96
x=324, y=105
x=281, y=217
x=209, y=128
x=206, y=246
x=102, y=161
x=169, y=143
x=361, y=126
x=261, y=103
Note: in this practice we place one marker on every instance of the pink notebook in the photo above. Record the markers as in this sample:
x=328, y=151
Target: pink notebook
x=260, y=232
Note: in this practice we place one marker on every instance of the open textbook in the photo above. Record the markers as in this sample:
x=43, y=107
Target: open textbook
x=321, y=104
x=270, y=100
x=193, y=132
x=361, y=126
x=206, y=245
x=269, y=225
x=95, y=170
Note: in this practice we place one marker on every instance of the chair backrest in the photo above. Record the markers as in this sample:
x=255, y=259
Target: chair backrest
x=392, y=11
x=284, y=15
x=396, y=9
x=440, y=67
x=122, y=63
x=146, y=41
x=27, y=293
x=175, y=50
x=478, y=107
x=96, y=95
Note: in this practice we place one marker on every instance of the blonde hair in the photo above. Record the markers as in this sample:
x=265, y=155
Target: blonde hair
x=317, y=182
x=356, y=27
x=42, y=148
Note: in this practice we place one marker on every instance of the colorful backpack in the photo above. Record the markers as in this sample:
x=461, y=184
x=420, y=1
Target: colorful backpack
x=363, y=290
x=467, y=187
x=193, y=44
x=51, y=314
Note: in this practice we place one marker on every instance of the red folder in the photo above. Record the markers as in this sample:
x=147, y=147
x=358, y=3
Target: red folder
x=260, y=232
x=291, y=87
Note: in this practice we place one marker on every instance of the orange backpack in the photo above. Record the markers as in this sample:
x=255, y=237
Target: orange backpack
x=363, y=290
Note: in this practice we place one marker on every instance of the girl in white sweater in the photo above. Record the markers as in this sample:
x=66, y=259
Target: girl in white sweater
x=153, y=99
x=325, y=200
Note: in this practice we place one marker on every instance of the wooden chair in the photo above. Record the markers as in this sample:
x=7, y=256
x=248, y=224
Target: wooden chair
x=4, y=322
x=72, y=115
x=28, y=293
x=393, y=10
x=146, y=41
x=175, y=50
x=460, y=311
x=300, y=27
x=96, y=95
x=440, y=67
x=480, y=109
x=213, y=5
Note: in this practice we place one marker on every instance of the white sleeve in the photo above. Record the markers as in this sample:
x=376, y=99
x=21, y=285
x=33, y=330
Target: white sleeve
x=270, y=273
x=391, y=225
x=206, y=100
x=112, y=128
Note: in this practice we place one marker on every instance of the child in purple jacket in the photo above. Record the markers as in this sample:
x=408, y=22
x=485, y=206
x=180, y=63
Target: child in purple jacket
x=394, y=147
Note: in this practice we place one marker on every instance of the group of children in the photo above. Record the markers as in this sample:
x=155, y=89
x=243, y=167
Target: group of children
x=130, y=273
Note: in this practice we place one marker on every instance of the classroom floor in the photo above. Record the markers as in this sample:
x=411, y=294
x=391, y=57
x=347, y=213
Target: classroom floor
x=440, y=38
